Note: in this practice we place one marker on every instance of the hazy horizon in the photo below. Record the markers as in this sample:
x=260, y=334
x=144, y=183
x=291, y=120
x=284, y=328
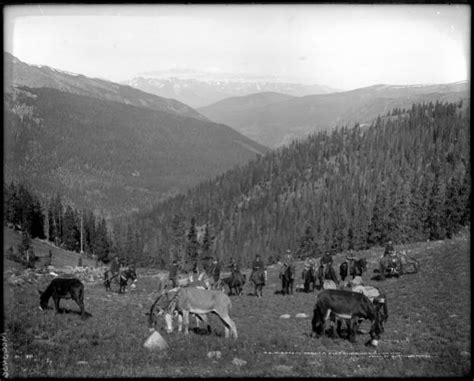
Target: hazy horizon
x=340, y=46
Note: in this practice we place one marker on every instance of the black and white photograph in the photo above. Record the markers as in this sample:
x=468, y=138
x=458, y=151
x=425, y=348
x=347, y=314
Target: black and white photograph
x=277, y=190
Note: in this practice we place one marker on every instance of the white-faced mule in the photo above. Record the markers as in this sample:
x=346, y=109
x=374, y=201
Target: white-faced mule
x=350, y=306
x=192, y=300
x=65, y=288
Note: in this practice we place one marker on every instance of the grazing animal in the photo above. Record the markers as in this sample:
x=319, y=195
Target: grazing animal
x=309, y=276
x=66, y=288
x=162, y=304
x=375, y=294
x=287, y=276
x=235, y=282
x=125, y=276
x=349, y=305
x=258, y=279
x=194, y=300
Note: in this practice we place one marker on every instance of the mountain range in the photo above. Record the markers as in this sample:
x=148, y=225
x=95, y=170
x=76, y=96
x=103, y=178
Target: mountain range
x=117, y=149
x=107, y=146
x=202, y=92
x=275, y=121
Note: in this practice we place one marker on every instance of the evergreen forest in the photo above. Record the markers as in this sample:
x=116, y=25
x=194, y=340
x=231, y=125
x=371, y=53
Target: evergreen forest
x=404, y=178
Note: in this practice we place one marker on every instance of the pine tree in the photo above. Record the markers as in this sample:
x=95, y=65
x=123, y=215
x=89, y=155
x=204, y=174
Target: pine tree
x=102, y=244
x=192, y=254
x=71, y=233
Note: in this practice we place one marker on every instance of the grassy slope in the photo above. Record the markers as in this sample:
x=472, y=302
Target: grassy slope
x=429, y=321
x=61, y=257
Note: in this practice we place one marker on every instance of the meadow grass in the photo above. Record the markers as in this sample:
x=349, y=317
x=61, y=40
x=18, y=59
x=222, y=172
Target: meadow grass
x=428, y=332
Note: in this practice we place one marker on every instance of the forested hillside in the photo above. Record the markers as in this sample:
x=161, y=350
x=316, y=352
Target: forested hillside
x=111, y=157
x=406, y=177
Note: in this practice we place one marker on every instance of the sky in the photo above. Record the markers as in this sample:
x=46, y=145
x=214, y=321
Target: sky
x=341, y=46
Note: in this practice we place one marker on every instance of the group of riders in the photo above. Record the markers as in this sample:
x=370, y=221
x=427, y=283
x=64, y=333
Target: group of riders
x=213, y=268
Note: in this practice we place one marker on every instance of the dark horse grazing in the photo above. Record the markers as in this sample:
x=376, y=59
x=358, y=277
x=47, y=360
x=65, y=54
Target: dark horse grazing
x=353, y=267
x=309, y=278
x=123, y=279
x=235, y=282
x=258, y=279
x=287, y=276
x=66, y=288
x=352, y=306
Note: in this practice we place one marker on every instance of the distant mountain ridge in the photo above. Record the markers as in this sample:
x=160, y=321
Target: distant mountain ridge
x=113, y=154
x=276, y=124
x=18, y=73
x=200, y=93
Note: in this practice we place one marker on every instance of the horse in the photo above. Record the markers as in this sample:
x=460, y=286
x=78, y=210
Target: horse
x=406, y=260
x=309, y=276
x=351, y=306
x=66, y=288
x=235, y=282
x=390, y=265
x=354, y=267
x=287, y=276
x=395, y=265
x=125, y=275
x=258, y=279
x=190, y=300
x=326, y=272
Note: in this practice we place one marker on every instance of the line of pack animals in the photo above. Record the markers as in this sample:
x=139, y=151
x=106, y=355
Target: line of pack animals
x=339, y=302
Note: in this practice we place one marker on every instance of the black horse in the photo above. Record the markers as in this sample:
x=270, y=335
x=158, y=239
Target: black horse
x=125, y=276
x=258, y=279
x=287, y=276
x=235, y=282
x=66, y=288
x=309, y=278
x=326, y=272
x=354, y=267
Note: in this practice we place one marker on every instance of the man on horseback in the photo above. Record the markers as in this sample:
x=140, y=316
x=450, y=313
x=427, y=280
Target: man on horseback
x=390, y=260
x=233, y=266
x=257, y=265
x=216, y=270
x=115, y=266
x=389, y=250
x=326, y=271
x=173, y=273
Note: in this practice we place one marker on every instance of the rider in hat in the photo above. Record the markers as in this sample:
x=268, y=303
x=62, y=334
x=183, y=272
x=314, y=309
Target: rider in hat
x=389, y=250
x=257, y=265
x=173, y=273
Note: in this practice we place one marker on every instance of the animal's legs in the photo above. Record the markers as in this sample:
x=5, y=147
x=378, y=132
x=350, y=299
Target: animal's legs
x=353, y=326
x=56, y=303
x=228, y=323
x=186, y=321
